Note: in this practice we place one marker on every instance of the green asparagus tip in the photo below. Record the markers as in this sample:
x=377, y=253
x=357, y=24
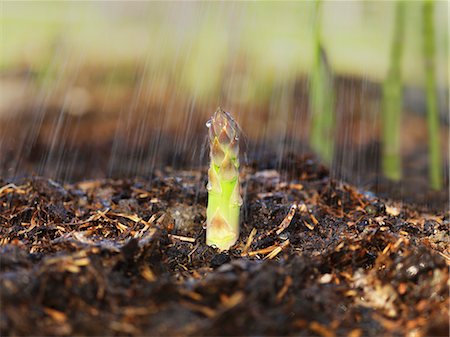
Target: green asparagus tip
x=224, y=197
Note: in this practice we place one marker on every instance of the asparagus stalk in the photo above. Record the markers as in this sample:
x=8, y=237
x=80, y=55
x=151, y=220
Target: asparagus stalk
x=321, y=96
x=224, y=198
x=392, y=101
x=435, y=164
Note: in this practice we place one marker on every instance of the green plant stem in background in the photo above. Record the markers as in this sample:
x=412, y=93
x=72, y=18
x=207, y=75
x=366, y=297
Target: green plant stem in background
x=435, y=163
x=392, y=102
x=321, y=97
x=224, y=198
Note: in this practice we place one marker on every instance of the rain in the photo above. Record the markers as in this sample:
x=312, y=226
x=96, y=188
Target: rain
x=343, y=114
x=104, y=89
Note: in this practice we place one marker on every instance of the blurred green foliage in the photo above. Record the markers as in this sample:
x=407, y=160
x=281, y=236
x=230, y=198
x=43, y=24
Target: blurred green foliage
x=206, y=45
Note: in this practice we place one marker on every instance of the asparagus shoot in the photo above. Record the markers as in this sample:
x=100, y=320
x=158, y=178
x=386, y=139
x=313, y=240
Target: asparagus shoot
x=435, y=165
x=224, y=198
x=321, y=96
x=392, y=101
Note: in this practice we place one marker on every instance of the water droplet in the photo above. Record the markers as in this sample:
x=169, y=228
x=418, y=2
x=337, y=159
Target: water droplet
x=284, y=236
x=208, y=123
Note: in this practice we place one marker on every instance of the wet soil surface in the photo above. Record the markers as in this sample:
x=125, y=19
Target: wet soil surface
x=128, y=257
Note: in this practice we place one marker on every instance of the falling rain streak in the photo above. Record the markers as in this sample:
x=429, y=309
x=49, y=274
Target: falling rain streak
x=121, y=90
x=224, y=168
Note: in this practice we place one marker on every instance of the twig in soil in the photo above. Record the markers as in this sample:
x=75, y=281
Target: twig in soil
x=8, y=188
x=287, y=220
x=71, y=264
x=386, y=249
x=446, y=257
x=182, y=238
x=96, y=216
x=310, y=227
x=193, y=251
x=277, y=250
x=121, y=227
x=313, y=219
x=147, y=225
x=132, y=217
x=263, y=250
x=249, y=241
x=58, y=316
x=283, y=225
x=23, y=231
x=273, y=250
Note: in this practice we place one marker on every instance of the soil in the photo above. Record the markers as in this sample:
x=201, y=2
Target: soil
x=128, y=257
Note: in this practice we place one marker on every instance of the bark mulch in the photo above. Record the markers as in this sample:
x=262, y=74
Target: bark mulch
x=128, y=257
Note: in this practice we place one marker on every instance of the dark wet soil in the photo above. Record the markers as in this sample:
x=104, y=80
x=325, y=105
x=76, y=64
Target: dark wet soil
x=128, y=257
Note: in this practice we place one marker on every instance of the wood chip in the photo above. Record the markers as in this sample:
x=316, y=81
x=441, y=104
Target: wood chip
x=314, y=220
x=321, y=329
x=82, y=262
x=287, y=220
x=89, y=185
x=182, y=238
x=132, y=217
x=262, y=250
x=351, y=293
x=8, y=188
x=298, y=187
x=445, y=256
x=277, y=250
x=273, y=253
x=148, y=274
x=309, y=226
x=392, y=210
x=23, y=231
x=249, y=241
x=122, y=228
x=326, y=278
x=58, y=316
x=386, y=249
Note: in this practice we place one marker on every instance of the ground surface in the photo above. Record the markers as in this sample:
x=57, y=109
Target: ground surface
x=128, y=257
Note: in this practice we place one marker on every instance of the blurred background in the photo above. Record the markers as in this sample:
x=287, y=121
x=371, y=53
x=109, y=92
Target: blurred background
x=119, y=89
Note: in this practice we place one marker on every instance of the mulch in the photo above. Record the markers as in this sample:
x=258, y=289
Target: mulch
x=128, y=257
